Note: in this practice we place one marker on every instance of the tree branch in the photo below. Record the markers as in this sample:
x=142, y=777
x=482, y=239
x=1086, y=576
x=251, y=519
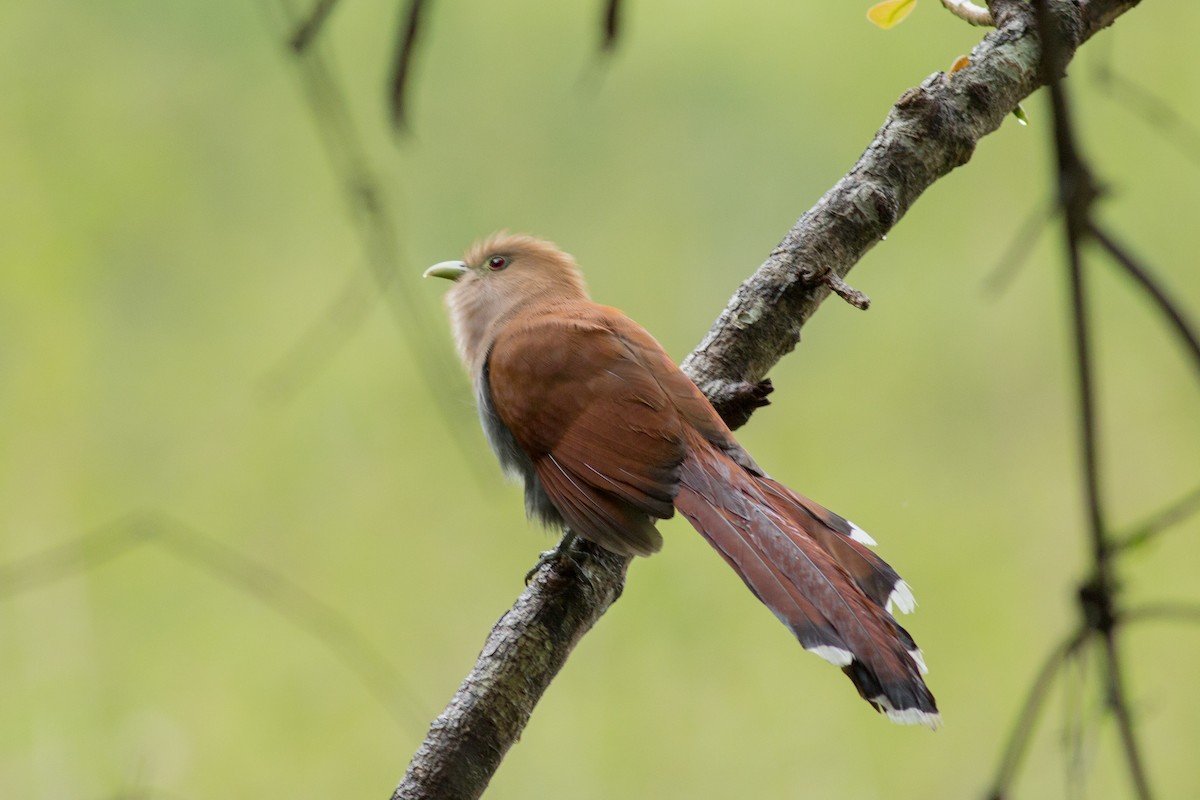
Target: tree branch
x=410, y=26
x=1177, y=512
x=523, y=653
x=1077, y=193
x=311, y=25
x=1018, y=740
x=931, y=130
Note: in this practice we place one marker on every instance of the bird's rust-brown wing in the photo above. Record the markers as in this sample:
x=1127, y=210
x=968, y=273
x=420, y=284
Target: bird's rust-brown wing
x=605, y=439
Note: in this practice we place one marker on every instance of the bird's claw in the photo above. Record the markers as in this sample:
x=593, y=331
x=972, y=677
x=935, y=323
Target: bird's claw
x=558, y=556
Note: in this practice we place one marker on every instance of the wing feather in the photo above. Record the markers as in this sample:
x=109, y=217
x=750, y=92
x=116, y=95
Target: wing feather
x=604, y=437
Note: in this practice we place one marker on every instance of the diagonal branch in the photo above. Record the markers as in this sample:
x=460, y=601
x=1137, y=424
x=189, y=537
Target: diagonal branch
x=523, y=653
x=1175, y=612
x=405, y=47
x=241, y=572
x=611, y=25
x=1177, y=512
x=1018, y=740
x=1170, y=310
x=931, y=130
x=311, y=25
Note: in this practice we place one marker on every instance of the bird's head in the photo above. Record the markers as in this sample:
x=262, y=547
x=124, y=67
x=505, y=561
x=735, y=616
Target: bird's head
x=497, y=277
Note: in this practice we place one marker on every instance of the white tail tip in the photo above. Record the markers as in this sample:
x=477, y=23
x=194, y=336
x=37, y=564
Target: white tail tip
x=908, y=716
x=861, y=536
x=902, y=596
x=834, y=655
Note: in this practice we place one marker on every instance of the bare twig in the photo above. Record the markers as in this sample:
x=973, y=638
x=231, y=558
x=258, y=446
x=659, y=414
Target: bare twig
x=1022, y=731
x=847, y=292
x=1163, y=520
x=376, y=216
x=324, y=338
x=1118, y=703
x=1169, y=308
x=611, y=25
x=1077, y=194
x=1178, y=612
x=1022, y=242
x=311, y=25
x=1157, y=112
x=328, y=626
x=1076, y=729
x=410, y=27
x=87, y=551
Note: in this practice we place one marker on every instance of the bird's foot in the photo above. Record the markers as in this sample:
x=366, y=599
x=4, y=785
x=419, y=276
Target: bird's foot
x=556, y=557
x=736, y=401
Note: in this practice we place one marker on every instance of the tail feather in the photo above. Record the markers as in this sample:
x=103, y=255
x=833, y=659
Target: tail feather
x=847, y=544
x=806, y=565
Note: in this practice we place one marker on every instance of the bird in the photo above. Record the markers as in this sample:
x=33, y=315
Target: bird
x=609, y=437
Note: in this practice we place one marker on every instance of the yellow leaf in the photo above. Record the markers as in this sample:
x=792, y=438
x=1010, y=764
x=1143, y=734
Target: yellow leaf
x=959, y=63
x=890, y=12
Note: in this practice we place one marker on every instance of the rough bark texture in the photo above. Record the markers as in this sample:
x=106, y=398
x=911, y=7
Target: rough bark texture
x=932, y=129
x=523, y=653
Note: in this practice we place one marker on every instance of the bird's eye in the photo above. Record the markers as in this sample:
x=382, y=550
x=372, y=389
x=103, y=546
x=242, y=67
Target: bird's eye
x=497, y=263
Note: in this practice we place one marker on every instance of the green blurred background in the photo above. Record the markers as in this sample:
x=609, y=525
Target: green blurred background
x=173, y=231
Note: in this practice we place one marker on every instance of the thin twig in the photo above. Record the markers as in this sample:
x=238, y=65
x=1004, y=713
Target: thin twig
x=1141, y=275
x=1076, y=210
x=314, y=348
x=845, y=291
x=86, y=551
x=611, y=26
x=1118, y=702
x=410, y=26
x=1161, y=521
x=1077, y=193
x=1158, y=113
x=1075, y=722
x=374, y=212
x=1022, y=242
x=328, y=626
x=1180, y=612
x=1022, y=732
x=311, y=25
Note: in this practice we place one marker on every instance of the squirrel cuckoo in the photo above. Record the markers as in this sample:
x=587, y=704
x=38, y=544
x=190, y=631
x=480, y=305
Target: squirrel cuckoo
x=610, y=437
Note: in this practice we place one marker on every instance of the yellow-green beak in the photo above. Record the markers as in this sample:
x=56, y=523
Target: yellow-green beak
x=452, y=270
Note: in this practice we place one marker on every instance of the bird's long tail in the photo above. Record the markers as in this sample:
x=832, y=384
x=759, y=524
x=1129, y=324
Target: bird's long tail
x=813, y=569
